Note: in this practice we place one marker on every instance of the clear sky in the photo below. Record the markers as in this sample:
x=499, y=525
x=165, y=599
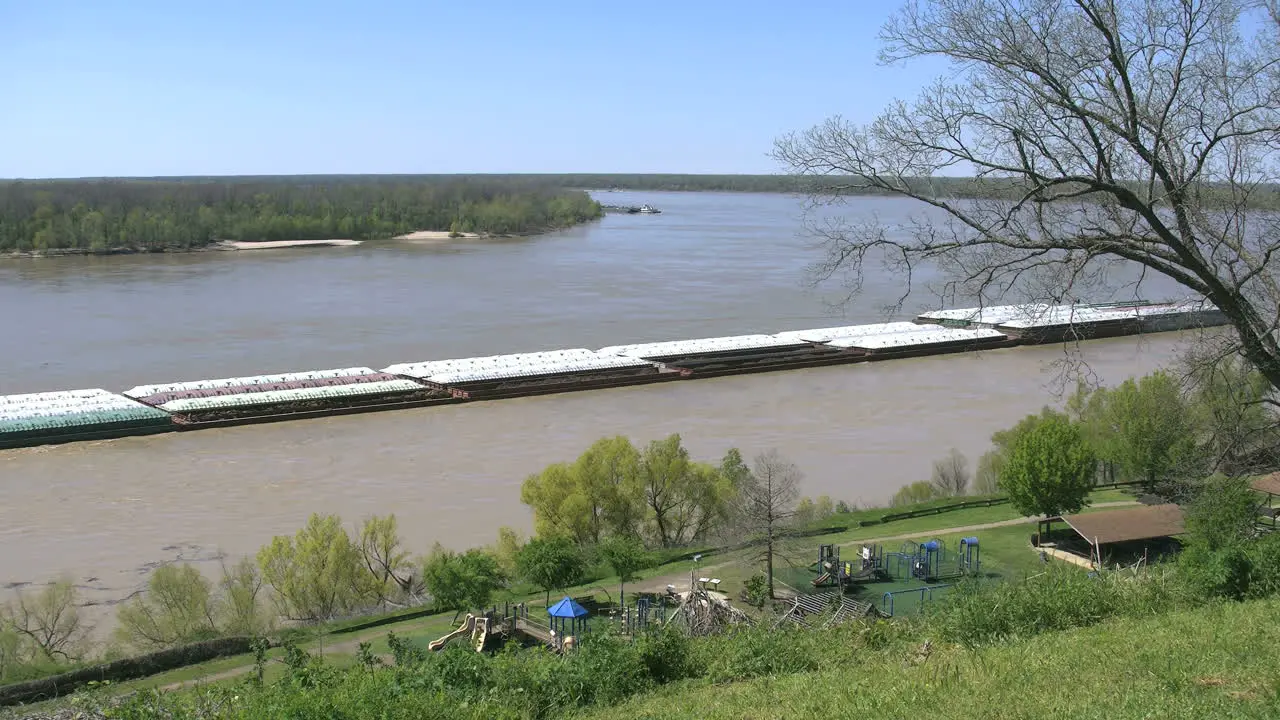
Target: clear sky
x=140, y=87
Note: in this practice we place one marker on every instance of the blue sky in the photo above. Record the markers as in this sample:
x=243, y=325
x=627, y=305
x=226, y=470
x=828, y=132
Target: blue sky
x=135, y=87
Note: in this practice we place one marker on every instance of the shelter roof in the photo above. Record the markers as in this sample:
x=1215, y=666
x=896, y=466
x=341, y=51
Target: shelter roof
x=1268, y=483
x=566, y=608
x=1139, y=523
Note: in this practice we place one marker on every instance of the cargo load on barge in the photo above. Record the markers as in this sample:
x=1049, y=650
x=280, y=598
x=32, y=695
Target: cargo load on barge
x=1043, y=323
x=72, y=415
x=732, y=355
x=43, y=418
x=939, y=341
x=536, y=373
x=266, y=398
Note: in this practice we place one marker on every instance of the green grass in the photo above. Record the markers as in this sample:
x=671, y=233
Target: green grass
x=1005, y=553
x=1197, y=664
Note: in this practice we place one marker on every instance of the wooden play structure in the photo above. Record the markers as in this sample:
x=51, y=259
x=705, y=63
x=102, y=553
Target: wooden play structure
x=565, y=621
x=834, y=572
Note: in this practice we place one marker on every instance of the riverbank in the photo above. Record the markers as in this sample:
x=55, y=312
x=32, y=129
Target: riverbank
x=339, y=640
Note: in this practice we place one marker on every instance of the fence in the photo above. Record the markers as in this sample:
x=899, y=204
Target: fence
x=127, y=669
x=986, y=502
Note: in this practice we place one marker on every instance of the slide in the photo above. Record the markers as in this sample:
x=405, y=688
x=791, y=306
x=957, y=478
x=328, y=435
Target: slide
x=468, y=626
x=821, y=579
x=480, y=636
x=865, y=574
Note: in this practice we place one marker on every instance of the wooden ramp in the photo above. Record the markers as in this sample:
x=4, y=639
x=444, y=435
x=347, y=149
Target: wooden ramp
x=537, y=631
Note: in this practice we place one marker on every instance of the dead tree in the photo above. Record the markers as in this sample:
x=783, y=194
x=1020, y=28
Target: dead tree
x=1096, y=133
x=767, y=501
x=951, y=474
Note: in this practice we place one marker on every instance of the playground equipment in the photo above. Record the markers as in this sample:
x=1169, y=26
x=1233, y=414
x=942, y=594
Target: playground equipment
x=925, y=595
x=970, y=559
x=636, y=619
x=477, y=627
x=833, y=571
x=919, y=560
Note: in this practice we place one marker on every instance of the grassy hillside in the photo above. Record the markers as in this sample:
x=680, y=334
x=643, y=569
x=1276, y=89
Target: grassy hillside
x=1218, y=663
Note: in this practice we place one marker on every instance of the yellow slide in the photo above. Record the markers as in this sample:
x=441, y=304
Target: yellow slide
x=468, y=626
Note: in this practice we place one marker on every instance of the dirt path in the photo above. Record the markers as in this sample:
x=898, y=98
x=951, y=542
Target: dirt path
x=657, y=584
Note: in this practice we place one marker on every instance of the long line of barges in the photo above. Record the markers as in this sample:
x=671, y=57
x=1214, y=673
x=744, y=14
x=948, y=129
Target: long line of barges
x=94, y=414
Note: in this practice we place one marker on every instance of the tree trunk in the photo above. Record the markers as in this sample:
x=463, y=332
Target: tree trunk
x=768, y=562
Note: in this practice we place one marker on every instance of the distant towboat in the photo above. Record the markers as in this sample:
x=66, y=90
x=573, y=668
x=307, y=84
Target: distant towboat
x=647, y=210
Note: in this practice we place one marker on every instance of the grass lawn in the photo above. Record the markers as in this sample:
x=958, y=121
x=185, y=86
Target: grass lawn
x=1005, y=552
x=1192, y=665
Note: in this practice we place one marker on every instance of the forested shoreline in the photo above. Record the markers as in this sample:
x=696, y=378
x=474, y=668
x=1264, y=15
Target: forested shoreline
x=165, y=215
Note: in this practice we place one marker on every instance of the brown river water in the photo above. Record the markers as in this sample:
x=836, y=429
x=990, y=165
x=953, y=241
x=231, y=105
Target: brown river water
x=711, y=264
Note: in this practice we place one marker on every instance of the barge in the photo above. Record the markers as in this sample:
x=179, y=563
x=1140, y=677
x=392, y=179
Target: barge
x=938, y=341
x=538, y=373
x=733, y=355
x=75, y=415
x=267, y=398
x=55, y=417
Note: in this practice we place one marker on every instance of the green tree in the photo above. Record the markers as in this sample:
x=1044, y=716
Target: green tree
x=241, y=600
x=609, y=472
x=506, y=549
x=551, y=563
x=823, y=507
x=461, y=581
x=178, y=607
x=1145, y=427
x=625, y=556
x=685, y=500
x=1049, y=468
x=804, y=513
x=1223, y=514
x=389, y=565
x=986, y=480
x=1230, y=403
x=597, y=495
x=917, y=492
x=316, y=574
x=50, y=621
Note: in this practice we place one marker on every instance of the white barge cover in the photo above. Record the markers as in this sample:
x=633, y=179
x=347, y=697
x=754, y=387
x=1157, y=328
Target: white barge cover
x=143, y=391
x=823, y=335
x=497, y=367
x=916, y=339
x=703, y=346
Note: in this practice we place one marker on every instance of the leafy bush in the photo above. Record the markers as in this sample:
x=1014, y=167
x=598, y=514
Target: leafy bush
x=979, y=613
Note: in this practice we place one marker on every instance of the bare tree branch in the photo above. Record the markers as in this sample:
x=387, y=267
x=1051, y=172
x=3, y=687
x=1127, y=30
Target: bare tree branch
x=1098, y=133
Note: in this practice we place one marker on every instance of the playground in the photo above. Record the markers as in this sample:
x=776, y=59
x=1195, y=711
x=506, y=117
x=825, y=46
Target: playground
x=901, y=577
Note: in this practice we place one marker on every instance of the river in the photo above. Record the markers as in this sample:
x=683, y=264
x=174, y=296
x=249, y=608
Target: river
x=711, y=264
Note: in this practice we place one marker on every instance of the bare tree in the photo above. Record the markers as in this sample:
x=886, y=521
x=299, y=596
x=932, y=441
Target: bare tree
x=951, y=474
x=50, y=620
x=1116, y=131
x=767, y=502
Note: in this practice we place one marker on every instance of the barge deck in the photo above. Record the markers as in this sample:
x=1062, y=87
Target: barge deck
x=95, y=414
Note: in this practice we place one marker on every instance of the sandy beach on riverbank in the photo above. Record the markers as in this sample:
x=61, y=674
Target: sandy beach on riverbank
x=436, y=236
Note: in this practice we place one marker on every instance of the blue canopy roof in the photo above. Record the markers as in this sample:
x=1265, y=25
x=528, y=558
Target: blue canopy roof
x=566, y=608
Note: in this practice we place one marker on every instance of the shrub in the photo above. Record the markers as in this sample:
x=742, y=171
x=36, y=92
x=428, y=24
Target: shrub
x=979, y=613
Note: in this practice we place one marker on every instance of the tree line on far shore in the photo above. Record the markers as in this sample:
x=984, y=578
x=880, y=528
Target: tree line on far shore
x=153, y=215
